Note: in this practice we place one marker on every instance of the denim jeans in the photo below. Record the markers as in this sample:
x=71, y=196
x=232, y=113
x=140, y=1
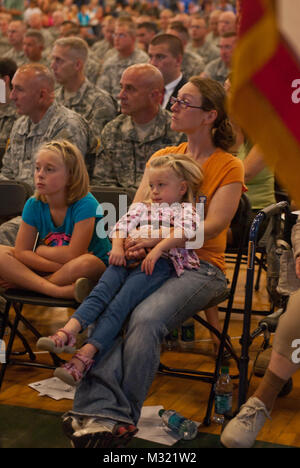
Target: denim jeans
x=117, y=293
x=117, y=385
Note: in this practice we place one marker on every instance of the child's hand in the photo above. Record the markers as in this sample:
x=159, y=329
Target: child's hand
x=298, y=267
x=117, y=256
x=137, y=254
x=149, y=262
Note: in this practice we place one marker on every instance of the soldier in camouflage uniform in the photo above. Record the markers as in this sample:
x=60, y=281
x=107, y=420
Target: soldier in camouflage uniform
x=4, y=22
x=42, y=120
x=127, y=55
x=198, y=44
x=92, y=64
x=33, y=47
x=130, y=139
x=219, y=69
x=8, y=113
x=108, y=28
x=15, y=33
x=77, y=93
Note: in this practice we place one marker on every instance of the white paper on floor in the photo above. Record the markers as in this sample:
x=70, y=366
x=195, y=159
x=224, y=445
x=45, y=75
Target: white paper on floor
x=54, y=388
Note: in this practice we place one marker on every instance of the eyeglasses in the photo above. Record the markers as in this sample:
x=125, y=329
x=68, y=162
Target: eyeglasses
x=183, y=104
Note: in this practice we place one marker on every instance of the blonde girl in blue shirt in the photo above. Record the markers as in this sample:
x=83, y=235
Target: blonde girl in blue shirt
x=63, y=215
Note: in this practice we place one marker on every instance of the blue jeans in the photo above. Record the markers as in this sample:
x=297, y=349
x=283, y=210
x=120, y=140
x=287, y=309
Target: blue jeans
x=118, y=383
x=117, y=293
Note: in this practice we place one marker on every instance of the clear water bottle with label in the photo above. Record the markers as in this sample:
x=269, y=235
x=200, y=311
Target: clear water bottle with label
x=223, y=396
x=185, y=428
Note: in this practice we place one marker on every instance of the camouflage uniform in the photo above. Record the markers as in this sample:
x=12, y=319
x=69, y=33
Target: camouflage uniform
x=122, y=157
x=18, y=57
x=207, y=51
x=113, y=68
x=212, y=39
x=4, y=45
x=100, y=48
x=192, y=64
x=26, y=137
x=217, y=70
x=92, y=69
x=8, y=115
x=94, y=104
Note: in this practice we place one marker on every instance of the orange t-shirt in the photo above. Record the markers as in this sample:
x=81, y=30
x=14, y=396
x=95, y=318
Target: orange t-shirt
x=219, y=169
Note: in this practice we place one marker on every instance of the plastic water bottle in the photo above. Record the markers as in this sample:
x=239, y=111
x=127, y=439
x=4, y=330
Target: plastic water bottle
x=223, y=396
x=184, y=427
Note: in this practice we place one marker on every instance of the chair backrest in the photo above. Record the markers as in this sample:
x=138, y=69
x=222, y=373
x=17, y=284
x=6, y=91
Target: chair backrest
x=13, y=195
x=240, y=223
x=112, y=197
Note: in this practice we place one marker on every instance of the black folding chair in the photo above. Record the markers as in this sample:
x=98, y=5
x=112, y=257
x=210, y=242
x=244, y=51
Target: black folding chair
x=225, y=343
x=13, y=195
x=16, y=299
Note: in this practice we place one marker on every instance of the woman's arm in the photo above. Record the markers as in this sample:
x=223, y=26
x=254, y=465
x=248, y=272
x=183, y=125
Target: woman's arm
x=222, y=209
x=23, y=250
x=79, y=243
x=254, y=163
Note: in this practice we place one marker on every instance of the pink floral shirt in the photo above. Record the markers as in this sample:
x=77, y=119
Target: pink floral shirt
x=145, y=219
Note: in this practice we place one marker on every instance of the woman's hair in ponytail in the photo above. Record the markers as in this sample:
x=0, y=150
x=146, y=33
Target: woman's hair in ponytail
x=214, y=98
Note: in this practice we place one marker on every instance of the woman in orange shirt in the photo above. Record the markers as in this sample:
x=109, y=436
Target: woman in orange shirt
x=108, y=402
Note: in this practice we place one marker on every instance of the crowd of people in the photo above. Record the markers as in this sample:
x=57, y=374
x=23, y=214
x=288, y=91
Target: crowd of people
x=128, y=94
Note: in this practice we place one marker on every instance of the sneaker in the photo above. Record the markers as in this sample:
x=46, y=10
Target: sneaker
x=98, y=433
x=242, y=430
x=71, y=424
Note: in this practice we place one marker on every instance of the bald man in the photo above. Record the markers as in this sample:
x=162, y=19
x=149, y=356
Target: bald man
x=128, y=141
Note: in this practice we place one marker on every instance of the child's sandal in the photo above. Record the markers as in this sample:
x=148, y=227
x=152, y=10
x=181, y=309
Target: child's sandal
x=55, y=343
x=70, y=374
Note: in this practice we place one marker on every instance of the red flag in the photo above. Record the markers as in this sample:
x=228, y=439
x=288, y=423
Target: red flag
x=266, y=90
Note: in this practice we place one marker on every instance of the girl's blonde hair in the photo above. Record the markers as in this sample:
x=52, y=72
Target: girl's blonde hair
x=186, y=168
x=78, y=183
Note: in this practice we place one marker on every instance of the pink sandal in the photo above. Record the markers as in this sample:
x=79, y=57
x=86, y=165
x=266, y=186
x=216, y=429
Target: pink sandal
x=70, y=374
x=55, y=343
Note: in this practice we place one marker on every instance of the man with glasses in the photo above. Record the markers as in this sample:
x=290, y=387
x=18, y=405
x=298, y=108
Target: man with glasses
x=165, y=52
x=219, y=69
x=126, y=55
x=198, y=44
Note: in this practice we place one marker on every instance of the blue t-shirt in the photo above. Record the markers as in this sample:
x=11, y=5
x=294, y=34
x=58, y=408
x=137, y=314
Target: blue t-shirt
x=37, y=214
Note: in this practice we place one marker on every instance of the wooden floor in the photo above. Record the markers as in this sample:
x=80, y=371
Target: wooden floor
x=186, y=396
